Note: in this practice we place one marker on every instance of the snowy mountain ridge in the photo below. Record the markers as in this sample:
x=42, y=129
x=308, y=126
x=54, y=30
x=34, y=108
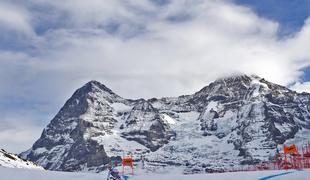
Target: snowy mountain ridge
x=235, y=120
x=14, y=161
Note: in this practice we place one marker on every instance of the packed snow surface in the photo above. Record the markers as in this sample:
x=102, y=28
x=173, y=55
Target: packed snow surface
x=26, y=174
x=168, y=119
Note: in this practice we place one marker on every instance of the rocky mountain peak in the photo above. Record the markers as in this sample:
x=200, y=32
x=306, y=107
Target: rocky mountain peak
x=239, y=78
x=242, y=118
x=227, y=89
x=96, y=86
x=95, y=91
x=230, y=83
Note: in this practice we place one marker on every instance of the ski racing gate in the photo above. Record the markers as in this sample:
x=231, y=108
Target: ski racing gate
x=127, y=161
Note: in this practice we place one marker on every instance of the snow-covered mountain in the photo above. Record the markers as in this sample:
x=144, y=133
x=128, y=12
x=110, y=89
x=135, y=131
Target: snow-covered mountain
x=235, y=120
x=13, y=161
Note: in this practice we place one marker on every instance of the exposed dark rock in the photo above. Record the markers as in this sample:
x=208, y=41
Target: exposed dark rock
x=248, y=112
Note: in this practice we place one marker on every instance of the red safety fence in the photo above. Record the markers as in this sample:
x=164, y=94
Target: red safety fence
x=292, y=157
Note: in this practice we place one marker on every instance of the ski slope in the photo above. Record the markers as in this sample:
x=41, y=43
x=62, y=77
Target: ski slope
x=13, y=161
x=27, y=174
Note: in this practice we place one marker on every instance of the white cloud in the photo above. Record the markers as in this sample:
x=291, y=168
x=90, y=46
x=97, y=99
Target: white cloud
x=19, y=130
x=17, y=140
x=15, y=18
x=301, y=87
x=181, y=57
x=149, y=50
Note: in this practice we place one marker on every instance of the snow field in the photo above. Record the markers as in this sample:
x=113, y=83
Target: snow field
x=26, y=174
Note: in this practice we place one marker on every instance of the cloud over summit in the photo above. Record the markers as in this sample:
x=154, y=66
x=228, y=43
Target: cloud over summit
x=138, y=48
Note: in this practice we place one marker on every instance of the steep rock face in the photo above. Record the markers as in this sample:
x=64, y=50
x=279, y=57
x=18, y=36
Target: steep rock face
x=230, y=89
x=241, y=119
x=236, y=120
x=145, y=126
x=73, y=141
x=66, y=143
x=254, y=113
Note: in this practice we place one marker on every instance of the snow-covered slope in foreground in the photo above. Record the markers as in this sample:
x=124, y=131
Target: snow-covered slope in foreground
x=26, y=174
x=13, y=161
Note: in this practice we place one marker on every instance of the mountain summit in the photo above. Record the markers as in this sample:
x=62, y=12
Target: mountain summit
x=234, y=120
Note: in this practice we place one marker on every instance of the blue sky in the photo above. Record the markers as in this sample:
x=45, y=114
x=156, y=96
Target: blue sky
x=291, y=14
x=48, y=49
